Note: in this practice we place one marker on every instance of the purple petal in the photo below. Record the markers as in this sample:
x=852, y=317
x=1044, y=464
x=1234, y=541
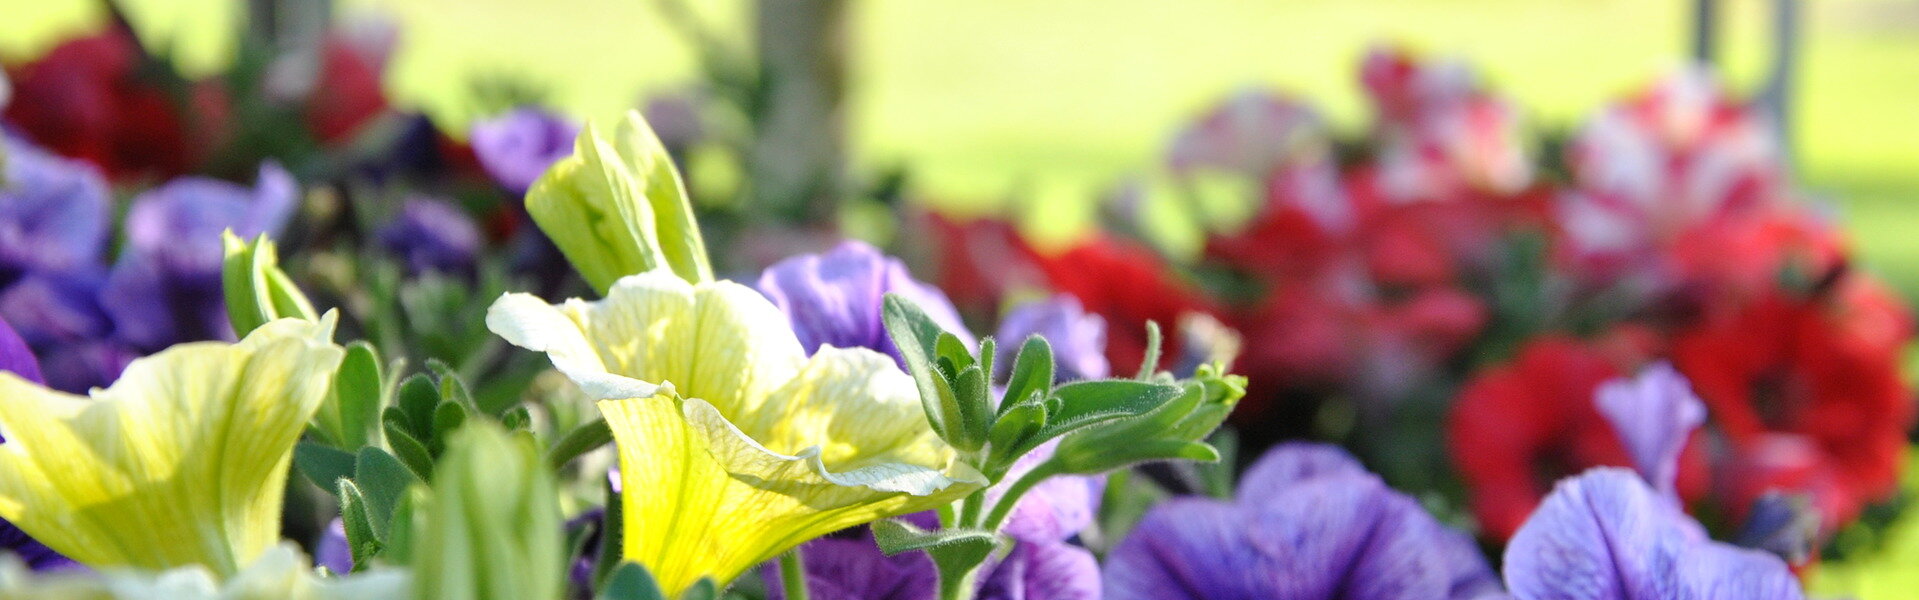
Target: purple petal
x=855, y=569
x=1044, y=571
x=836, y=297
x=1653, y=414
x=332, y=551
x=517, y=147
x=1078, y=339
x=16, y=357
x=53, y=213
x=432, y=236
x=1288, y=464
x=47, y=308
x=1605, y=535
x=1188, y=549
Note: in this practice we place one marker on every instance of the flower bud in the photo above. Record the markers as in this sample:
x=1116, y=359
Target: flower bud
x=617, y=207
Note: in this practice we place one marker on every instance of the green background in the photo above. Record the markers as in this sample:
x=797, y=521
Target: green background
x=1035, y=106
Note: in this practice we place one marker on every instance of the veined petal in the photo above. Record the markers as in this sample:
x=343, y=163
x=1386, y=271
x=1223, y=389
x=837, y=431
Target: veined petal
x=723, y=498
x=721, y=342
x=734, y=446
x=181, y=462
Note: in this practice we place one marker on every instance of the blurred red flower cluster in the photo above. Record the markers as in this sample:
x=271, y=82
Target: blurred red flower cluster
x=105, y=99
x=1441, y=257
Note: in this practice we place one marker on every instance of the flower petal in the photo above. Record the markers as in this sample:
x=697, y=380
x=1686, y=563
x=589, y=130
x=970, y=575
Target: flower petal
x=1654, y=414
x=183, y=461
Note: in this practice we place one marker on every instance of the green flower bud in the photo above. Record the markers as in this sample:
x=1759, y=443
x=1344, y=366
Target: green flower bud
x=492, y=527
x=257, y=291
x=617, y=207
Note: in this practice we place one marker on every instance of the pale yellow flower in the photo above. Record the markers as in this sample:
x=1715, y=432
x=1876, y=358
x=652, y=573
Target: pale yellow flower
x=734, y=446
x=181, y=462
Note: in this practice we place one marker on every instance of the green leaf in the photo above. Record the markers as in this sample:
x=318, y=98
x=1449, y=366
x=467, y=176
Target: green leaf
x=410, y=451
x=972, y=393
x=1137, y=453
x=1017, y=430
x=952, y=352
x=419, y=396
x=1084, y=403
x=361, y=542
x=1150, y=363
x=323, y=465
x=612, y=534
x=406, y=522
x=956, y=553
x=1032, y=372
x=704, y=589
x=357, y=395
x=630, y=581
x=446, y=418
x=894, y=536
x=517, y=418
x=452, y=389
x=913, y=334
x=382, y=480
x=580, y=440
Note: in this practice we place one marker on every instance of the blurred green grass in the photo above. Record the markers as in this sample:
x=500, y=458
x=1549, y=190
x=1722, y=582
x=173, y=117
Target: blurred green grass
x=1033, y=107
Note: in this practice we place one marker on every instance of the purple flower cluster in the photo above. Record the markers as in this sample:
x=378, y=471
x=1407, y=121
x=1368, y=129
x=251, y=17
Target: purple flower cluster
x=87, y=319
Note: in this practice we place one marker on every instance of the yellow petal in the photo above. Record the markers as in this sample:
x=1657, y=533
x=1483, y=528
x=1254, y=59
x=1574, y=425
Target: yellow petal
x=752, y=448
x=282, y=573
x=617, y=207
x=181, y=462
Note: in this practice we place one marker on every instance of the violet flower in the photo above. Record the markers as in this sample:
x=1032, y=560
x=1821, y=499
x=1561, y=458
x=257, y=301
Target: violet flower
x=837, y=297
x=432, y=236
x=1308, y=523
x=54, y=213
x=1653, y=414
x=1078, y=339
x=1609, y=534
x=1606, y=535
x=517, y=147
x=165, y=289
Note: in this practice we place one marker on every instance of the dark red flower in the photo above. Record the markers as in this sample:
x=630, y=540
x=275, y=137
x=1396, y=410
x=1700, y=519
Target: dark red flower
x=1808, y=392
x=348, y=96
x=92, y=98
x=1518, y=427
x=1128, y=285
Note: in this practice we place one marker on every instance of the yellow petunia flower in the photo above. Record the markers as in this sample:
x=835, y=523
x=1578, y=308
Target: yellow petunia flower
x=181, y=462
x=734, y=446
x=616, y=207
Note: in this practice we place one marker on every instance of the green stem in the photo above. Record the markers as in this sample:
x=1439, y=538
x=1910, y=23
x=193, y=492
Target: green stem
x=1013, y=494
x=793, y=575
x=959, y=588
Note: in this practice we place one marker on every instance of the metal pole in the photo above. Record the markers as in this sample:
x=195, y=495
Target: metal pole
x=1705, y=23
x=1777, y=95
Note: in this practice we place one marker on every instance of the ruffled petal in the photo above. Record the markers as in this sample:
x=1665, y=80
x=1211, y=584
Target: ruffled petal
x=181, y=462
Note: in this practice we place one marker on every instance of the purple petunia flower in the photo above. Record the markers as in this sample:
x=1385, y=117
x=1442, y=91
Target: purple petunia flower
x=855, y=569
x=1308, y=523
x=432, y=236
x=1606, y=535
x=165, y=289
x=1653, y=414
x=517, y=147
x=1078, y=339
x=53, y=213
x=836, y=297
x=1043, y=571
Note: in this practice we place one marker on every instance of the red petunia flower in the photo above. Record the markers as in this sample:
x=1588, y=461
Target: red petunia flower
x=1808, y=392
x=1128, y=285
x=1520, y=426
x=91, y=98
